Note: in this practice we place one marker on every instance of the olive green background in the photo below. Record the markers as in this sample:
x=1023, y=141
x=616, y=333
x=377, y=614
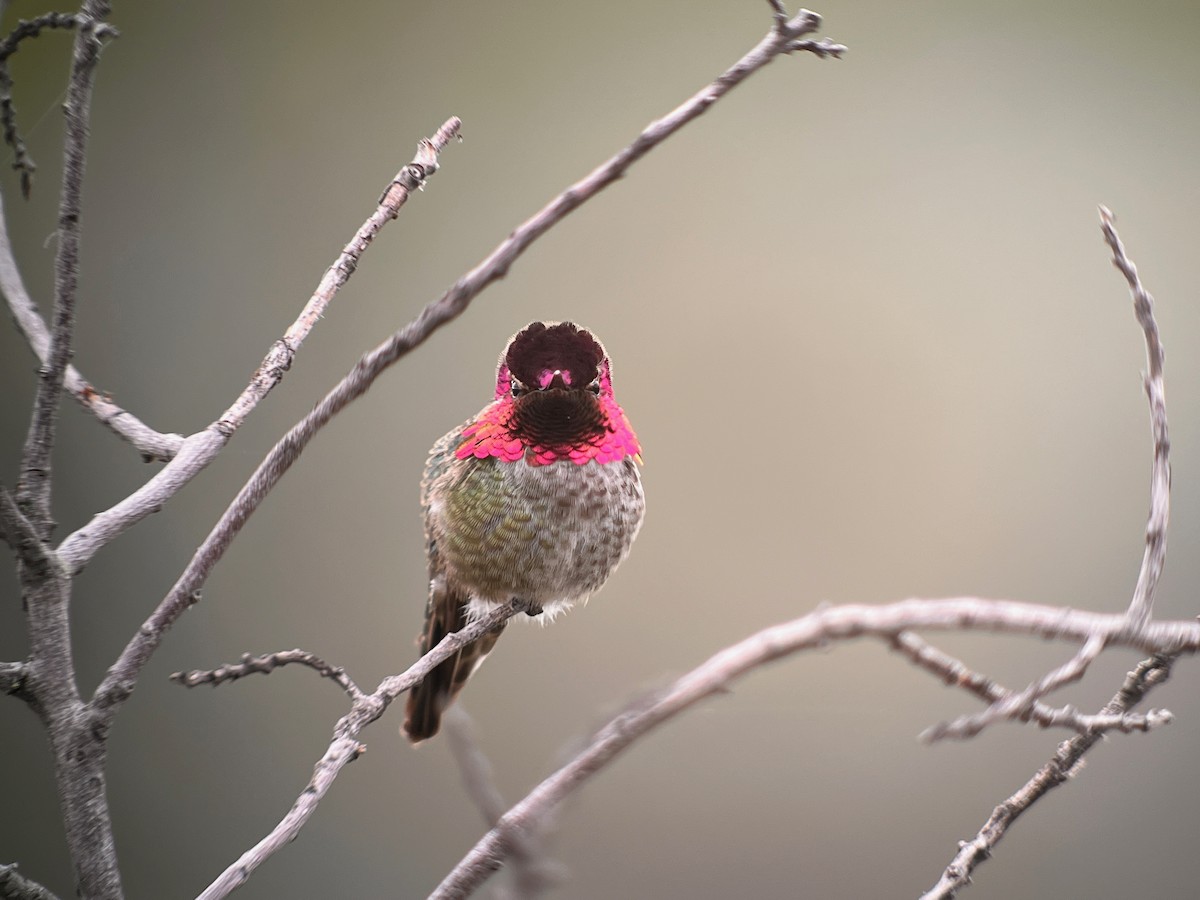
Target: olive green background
x=861, y=316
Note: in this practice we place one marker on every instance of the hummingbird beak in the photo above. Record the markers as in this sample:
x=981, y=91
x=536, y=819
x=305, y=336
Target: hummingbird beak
x=558, y=381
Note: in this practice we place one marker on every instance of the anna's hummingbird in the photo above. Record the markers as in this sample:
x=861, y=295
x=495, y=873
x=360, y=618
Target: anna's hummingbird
x=536, y=498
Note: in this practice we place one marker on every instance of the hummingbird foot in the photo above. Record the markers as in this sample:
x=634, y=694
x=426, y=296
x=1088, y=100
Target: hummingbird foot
x=528, y=607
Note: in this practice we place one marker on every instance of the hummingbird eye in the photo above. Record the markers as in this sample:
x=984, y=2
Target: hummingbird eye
x=516, y=388
x=594, y=387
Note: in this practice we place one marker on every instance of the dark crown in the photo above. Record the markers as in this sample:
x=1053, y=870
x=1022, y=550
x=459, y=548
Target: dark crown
x=566, y=346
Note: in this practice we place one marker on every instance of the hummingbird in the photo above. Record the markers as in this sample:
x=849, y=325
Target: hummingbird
x=536, y=498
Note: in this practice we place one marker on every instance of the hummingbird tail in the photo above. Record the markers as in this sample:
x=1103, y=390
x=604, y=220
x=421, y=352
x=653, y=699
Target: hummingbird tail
x=429, y=699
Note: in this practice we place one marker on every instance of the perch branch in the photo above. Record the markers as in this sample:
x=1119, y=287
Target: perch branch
x=953, y=672
x=813, y=630
x=152, y=444
x=15, y=886
x=345, y=748
x=265, y=665
x=1149, y=673
x=199, y=449
x=119, y=682
x=1142, y=604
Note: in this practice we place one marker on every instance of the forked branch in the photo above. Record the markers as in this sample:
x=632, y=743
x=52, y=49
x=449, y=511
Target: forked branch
x=1150, y=672
x=345, y=748
x=122, y=676
x=201, y=448
x=956, y=674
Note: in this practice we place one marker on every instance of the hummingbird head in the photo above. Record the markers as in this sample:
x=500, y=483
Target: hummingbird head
x=551, y=374
x=554, y=399
x=552, y=356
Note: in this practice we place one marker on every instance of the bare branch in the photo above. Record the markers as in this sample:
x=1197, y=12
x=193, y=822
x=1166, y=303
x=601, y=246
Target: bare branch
x=119, y=682
x=1020, y=705
x=266, y=665
x=345, y=748
x=473, y=765
x=152, y=444
x=533, y=871
x=780, y=14
x=953, y=672
x=824, y=48
x=77, y=743
x=1149, y=673
x=30, y=28
x=199, y=449
x=33, y=486
x=813, y=630
x=12, y=679
x=18, y=532
x=1142, y=604
x=14, y=886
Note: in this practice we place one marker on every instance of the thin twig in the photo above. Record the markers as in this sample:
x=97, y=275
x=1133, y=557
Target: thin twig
x=199, y=449
x=1149, y=673
x=811, y=631
x=534, y=872
x=122, y=676
x=18, y=532
x=30, y=28
x=265, y=665
x=1142, y=604
x=12, y=679
x=345, y=748
x=955, y=673
x=824, y=48
x=1019, y=705
x=33, y=486
x=15, y=886
x=473, y=765
x=150, y=443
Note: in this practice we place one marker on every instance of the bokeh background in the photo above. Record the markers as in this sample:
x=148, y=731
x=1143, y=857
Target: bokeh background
x=861, y=316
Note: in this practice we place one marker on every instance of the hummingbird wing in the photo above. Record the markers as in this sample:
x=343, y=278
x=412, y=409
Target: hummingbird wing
x=445, y=611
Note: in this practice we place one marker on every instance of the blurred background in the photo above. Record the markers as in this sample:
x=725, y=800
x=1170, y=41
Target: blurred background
x=864, y=323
